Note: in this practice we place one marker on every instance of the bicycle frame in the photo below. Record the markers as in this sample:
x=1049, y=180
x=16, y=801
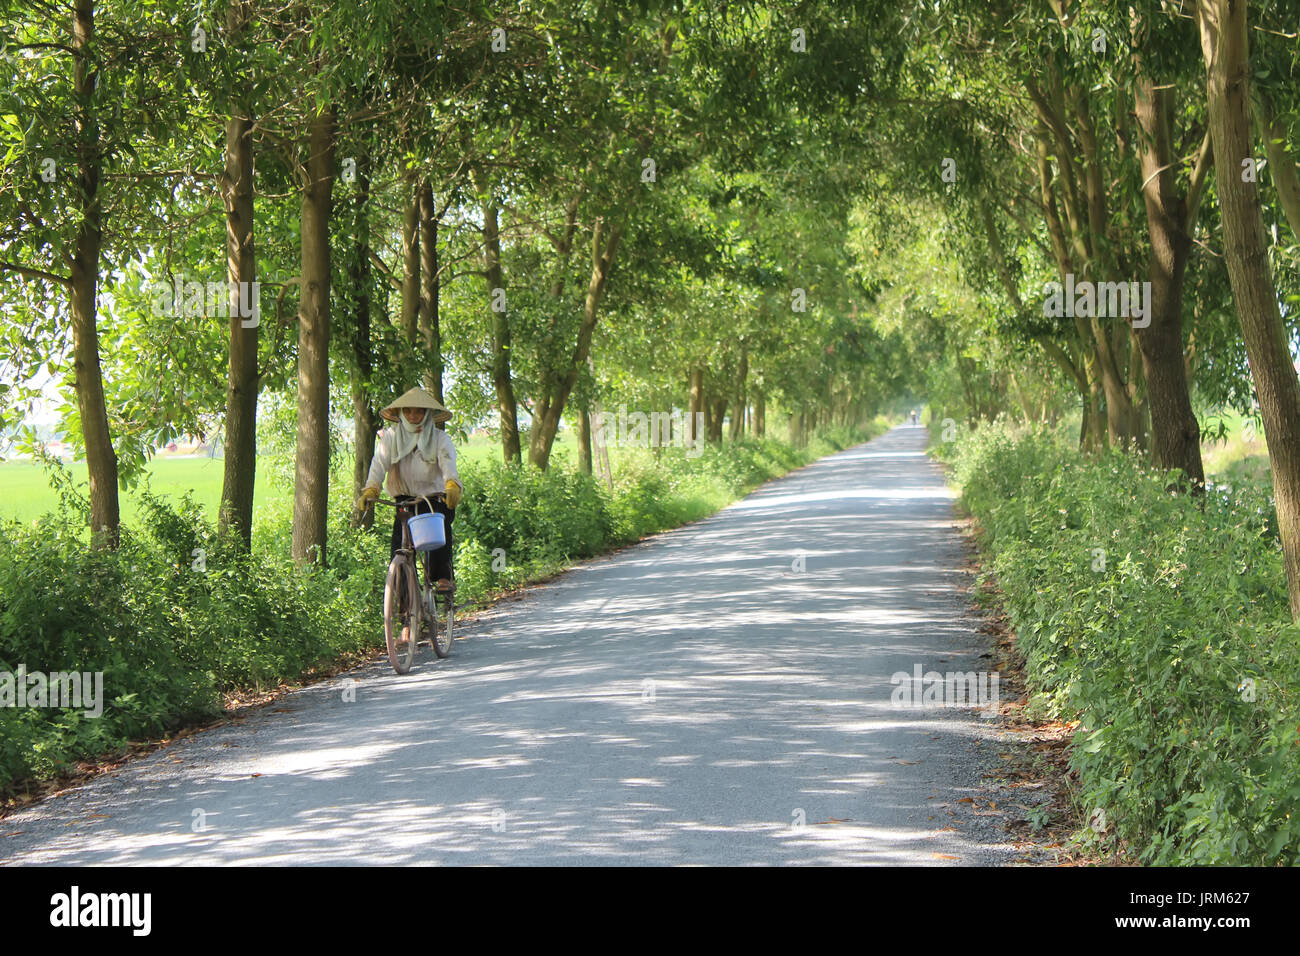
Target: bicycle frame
x=407, y=545
x=430, y=603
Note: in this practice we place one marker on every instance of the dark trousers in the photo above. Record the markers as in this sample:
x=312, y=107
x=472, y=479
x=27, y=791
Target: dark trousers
x=437, y=564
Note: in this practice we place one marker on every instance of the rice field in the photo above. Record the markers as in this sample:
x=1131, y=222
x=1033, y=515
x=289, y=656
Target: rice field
x=25, y=492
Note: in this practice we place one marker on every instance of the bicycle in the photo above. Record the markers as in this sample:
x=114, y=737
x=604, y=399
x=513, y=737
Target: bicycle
x=410, y=609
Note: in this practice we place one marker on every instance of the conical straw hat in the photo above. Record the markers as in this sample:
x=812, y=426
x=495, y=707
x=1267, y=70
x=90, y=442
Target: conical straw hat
x=416, y=398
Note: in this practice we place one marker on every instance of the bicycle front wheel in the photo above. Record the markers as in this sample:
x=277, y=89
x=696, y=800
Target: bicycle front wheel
x=444, y=616
x=401, y=613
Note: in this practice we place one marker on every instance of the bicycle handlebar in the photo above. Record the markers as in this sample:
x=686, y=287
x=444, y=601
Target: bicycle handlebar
x=394, y=504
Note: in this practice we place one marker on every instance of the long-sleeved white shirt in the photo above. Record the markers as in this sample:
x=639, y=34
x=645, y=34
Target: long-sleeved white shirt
x=413, y=475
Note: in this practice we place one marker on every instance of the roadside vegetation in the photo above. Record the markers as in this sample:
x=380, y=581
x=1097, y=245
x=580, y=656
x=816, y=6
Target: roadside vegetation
x=1161, y=624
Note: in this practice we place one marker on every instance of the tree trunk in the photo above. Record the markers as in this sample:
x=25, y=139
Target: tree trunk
x=716, y=415
x=507, y=409
x=101, y=459
x=1119, y=406
x=1084, y=202
x=312, y=457
x=760, y=413
x=1021, y=398
x=738, y=416
x=1091, y=434
x=1280, y=164
x=1176, y=435
x=965, y=369
x=1139, y=428
x=411, y=264
x=430, y=332
x=604, y=246
x=696, y=404
x=240, y=464
x=584, y=441
x=599, y=442
x=1072, y=369
x=1225, y=44
x=1097, y=435
x=364, y=419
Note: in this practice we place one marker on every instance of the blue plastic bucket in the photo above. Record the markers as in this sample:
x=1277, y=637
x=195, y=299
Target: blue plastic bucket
x=427, y=532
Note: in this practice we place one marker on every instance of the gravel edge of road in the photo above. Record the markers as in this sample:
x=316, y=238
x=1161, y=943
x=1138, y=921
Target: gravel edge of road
x=1036, y=749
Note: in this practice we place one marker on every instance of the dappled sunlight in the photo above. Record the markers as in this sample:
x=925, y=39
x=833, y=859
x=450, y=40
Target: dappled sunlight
x=682, y=702
x=812, y=497
x=876, y=456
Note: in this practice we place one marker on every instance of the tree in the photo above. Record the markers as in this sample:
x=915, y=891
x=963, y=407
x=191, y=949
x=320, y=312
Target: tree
x=1225, y=45
x=79, y=103
x=240, y=461
x=311, y=474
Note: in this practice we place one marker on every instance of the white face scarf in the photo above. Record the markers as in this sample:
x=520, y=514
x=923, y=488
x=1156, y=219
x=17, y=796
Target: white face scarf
x=407, y=437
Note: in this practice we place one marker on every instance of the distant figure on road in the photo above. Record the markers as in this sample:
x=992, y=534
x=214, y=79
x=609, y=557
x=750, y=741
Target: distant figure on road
x=915, y=417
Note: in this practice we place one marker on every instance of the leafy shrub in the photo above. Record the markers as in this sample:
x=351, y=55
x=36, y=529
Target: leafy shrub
x=172, y=618
x=1162, y=625
x=532, y=515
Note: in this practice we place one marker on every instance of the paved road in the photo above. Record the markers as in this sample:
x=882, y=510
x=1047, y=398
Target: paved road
x=689, y=700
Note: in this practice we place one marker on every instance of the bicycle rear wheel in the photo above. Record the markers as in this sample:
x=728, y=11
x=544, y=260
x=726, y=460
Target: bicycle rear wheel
x=401, y=613
x=444, y=617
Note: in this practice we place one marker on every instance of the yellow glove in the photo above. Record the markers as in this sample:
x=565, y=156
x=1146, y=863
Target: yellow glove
x=368, y=494
x=453, y=493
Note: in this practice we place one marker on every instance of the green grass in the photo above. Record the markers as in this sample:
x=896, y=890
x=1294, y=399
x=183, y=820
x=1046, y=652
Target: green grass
x=25, y=493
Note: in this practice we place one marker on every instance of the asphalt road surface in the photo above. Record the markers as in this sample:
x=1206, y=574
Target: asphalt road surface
x=719, y=694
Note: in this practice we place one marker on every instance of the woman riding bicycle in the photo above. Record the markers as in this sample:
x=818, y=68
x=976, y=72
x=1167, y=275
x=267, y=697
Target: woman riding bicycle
x=419, y=460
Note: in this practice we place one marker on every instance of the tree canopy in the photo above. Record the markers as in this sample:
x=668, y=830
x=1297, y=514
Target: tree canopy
x=757, y=212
